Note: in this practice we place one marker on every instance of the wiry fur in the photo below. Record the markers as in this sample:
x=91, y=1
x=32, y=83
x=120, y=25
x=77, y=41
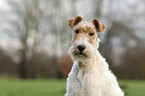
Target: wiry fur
x=90, y=74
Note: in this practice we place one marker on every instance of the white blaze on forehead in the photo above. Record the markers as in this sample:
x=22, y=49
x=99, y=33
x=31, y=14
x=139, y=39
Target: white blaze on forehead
x=85, y=26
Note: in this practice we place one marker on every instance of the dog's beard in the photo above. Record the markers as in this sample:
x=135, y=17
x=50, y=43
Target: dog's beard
x=88, y=53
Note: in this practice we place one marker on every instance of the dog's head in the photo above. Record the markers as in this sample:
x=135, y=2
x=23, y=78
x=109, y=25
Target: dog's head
x=85, y=41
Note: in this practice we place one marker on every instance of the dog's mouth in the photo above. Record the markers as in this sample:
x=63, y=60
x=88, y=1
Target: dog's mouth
x=80, y=54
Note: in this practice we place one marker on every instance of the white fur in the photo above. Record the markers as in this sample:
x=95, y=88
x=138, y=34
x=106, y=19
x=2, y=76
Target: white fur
x=90, y=76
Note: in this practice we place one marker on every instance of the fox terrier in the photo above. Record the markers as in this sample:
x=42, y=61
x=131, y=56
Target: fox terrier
x=90, y=74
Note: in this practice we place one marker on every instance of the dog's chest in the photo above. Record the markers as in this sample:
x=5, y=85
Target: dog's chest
x=81, y=74
x=82, y=81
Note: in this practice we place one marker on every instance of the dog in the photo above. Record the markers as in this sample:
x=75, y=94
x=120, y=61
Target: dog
x=90, y=74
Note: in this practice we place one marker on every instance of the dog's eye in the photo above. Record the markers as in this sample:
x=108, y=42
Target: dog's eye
x=77, y=31
x=91, y=34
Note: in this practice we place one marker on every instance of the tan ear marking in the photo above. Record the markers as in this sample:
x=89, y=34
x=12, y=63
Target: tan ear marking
x=99, y=26
x=75, y=21
x=70, y=22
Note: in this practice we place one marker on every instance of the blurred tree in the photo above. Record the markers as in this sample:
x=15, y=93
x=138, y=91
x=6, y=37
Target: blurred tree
x=34, y=25
x=27, y=30
x=45, y=66
x=42, y=25
x=133, y=64
x=7, y=66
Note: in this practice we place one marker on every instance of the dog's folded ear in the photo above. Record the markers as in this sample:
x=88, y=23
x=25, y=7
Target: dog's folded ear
x=99, y=26
x=75, y=21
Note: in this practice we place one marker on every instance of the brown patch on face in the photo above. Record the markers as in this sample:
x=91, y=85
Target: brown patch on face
x=85, y=30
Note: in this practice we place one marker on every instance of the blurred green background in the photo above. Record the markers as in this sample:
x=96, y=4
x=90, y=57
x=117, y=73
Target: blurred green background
x=56, y=87
x=34, y=40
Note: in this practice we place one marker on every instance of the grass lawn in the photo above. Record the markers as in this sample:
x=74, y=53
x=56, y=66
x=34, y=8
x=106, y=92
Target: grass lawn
x=133, y=87
x=54, y=87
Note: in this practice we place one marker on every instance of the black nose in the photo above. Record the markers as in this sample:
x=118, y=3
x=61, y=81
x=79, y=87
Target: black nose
x=81, y=48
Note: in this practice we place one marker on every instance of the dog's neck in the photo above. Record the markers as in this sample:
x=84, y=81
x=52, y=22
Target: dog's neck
x=88, y=63
x=94, y=62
